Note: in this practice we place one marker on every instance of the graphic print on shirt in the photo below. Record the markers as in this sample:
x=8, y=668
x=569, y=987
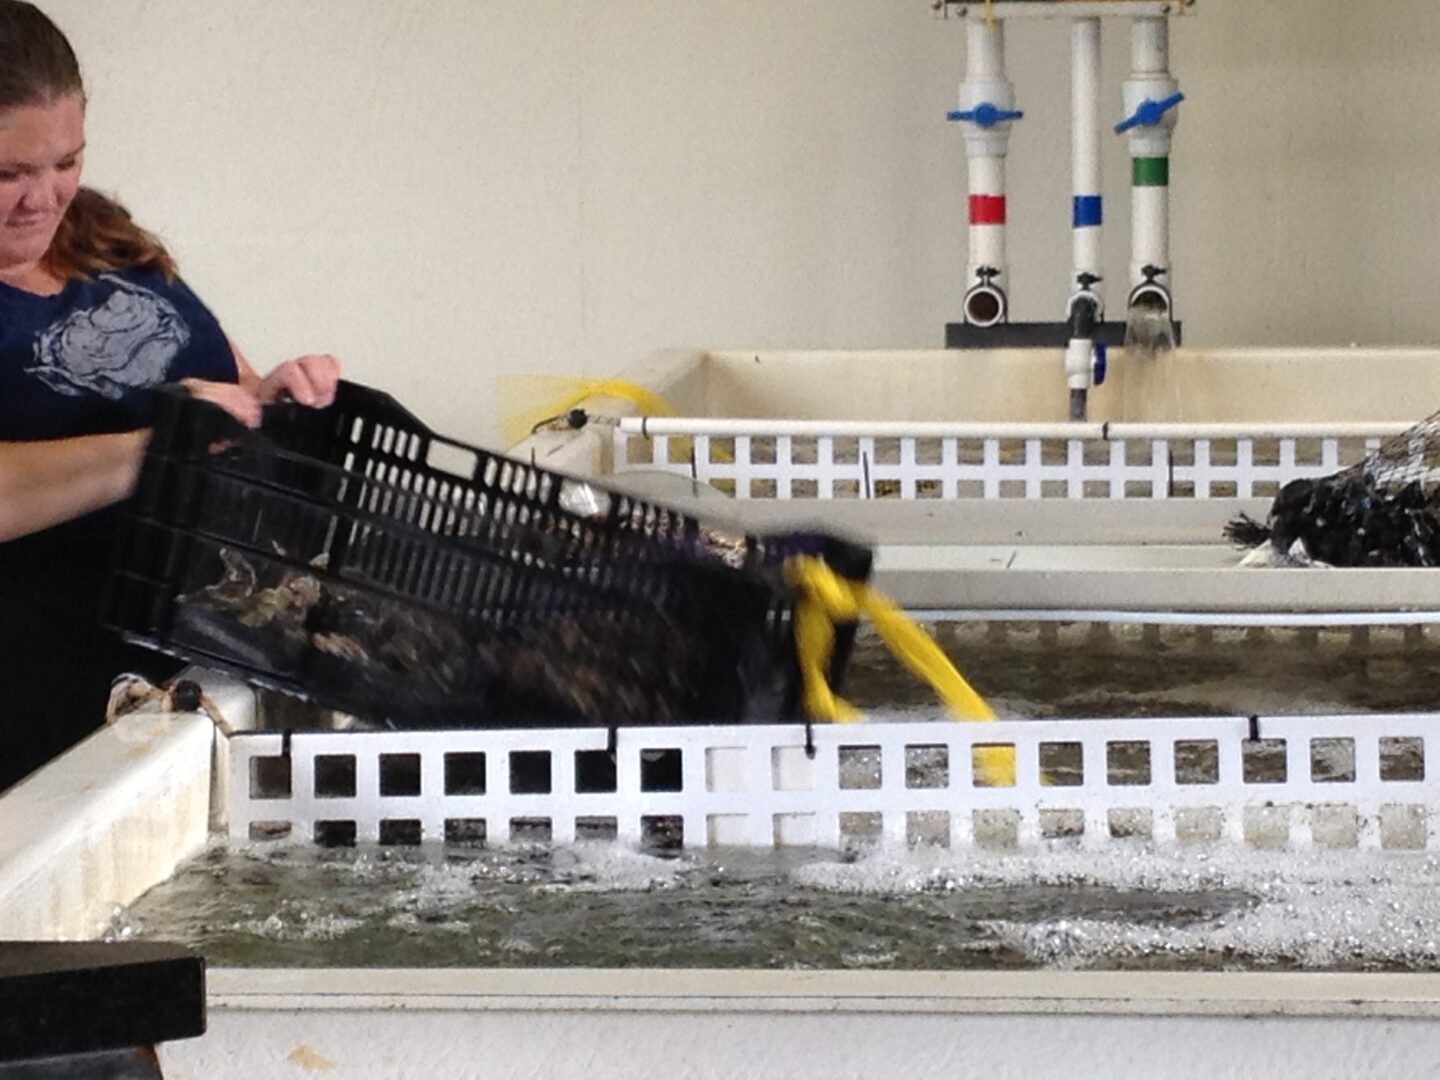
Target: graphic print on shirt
x=124, y=344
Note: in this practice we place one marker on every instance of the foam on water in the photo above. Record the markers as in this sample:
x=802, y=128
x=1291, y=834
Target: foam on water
x=1309, y=910
x=1127, y=907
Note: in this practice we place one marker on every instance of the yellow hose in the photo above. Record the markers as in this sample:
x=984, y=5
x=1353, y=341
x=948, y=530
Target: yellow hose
x=825, y=599
x=646, y=402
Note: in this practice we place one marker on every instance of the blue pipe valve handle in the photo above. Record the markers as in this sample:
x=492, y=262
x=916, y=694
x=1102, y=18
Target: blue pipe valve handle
x=1101, y=357
x=1149, y=113
x=986, y=115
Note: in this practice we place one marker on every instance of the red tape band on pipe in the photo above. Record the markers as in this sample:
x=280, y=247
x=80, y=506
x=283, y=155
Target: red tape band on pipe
x=987, y=209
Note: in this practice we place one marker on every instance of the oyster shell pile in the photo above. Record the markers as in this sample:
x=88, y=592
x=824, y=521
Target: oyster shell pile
x=621, y=664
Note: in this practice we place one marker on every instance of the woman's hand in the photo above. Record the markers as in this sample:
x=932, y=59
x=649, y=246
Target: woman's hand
x=309, y=380
x=238, y=401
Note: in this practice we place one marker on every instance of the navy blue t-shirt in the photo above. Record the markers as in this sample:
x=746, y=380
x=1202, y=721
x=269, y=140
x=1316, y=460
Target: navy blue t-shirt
x=82, y=362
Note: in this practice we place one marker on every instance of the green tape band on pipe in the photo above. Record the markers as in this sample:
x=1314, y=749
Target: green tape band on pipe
x=1152, y=172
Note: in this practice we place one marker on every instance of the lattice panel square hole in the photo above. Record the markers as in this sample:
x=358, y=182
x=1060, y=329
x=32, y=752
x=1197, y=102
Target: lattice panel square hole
x=996, y=829
x=335, y=776
x=270, y=777
x=860, y=768
x=465, y=774
x=1402, y=827
x=793, y=830
x=594, y=772
x=927, y=828
x=1131, y=823
x=1263, y=761
x=530, y=772
x=927, y=767
x=662, y=770
x=1332, y=761
x=725, y=769
x=1127, y=764
x=1402, y=759
x=400, y=832
x=1062, y=824
x=465, y=831
x=664, y=831
x=400, y=775
x=1335, y=825
x=726, y=830
x=335, y=833
x=1197, y=761
x=791, y=769
x=1267, y=826
x=531, y=830
x=992, y=765
x=861, y=827
x=1062, y=764
x=1199, y=824
x=596, y=828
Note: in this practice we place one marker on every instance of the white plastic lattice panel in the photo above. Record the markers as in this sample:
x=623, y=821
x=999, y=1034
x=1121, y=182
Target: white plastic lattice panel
x=804, y=460
x=1345, y=781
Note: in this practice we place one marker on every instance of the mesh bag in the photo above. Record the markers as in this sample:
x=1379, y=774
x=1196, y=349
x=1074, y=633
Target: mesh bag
x=1381, y=511
x=352, y=557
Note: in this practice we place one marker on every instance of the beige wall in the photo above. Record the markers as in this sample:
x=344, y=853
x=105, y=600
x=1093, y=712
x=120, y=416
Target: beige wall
x=447, y=190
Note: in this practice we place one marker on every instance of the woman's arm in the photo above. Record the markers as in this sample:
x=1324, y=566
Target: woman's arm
x=45, y=483
x=249, y=379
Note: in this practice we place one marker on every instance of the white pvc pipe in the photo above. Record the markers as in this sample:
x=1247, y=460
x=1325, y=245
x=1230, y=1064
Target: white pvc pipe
x=1086, y=247
x=986, y=51
x=1150, y=232
x=1241, y=430
x=987, y=175
x=1085, y=138
x=987, y=242
x=721, y=427
x=1150, y=46
x=732, y=427
x=986, y=85
x=1150, y=80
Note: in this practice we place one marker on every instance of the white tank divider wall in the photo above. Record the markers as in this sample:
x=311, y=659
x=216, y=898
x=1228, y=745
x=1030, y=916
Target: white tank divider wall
x=1362, y=781
x=812, y=460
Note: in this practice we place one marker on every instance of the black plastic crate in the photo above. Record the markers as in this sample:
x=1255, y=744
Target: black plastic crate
x=352, y=557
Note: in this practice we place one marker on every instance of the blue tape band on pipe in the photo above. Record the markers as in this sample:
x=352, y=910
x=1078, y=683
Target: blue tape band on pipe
x=1089, y=210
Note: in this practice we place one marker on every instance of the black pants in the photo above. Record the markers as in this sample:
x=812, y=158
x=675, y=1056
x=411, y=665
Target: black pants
x=56, y=661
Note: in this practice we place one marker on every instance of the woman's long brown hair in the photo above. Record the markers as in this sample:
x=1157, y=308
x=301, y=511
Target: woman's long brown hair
x=97, y=235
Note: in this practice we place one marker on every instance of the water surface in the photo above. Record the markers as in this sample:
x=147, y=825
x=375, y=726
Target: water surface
x=1127, y=907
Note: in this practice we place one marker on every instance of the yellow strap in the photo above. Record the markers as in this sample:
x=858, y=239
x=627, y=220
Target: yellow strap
x=826, y=599
x=814, y=642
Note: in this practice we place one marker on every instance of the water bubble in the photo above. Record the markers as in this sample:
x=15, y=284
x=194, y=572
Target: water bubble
x=1055, y=943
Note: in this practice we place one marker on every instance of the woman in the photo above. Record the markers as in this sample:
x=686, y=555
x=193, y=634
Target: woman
x=92, y=316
